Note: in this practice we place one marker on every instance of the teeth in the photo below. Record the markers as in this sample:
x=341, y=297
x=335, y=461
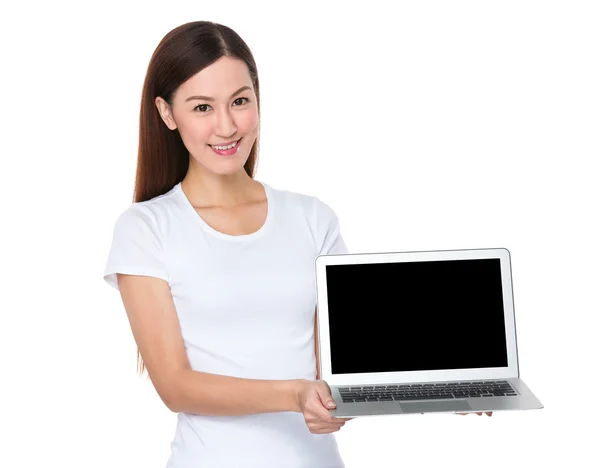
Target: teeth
x=222, y=148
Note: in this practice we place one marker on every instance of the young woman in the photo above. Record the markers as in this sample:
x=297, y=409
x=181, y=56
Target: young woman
x=216, y=269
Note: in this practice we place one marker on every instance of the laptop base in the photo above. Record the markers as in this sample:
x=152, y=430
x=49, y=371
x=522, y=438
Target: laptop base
x=523, y=401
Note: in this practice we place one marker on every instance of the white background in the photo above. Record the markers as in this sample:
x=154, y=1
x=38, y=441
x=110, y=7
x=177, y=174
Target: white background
x=425, y=125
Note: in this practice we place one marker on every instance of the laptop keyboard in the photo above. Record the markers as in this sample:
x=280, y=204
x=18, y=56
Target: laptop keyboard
x=431, y=391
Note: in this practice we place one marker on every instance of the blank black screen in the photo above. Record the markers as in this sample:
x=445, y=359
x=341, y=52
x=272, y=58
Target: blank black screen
x=416, y=316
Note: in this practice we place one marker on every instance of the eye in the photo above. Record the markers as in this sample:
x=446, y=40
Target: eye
x=238, y=99
x=201, y=107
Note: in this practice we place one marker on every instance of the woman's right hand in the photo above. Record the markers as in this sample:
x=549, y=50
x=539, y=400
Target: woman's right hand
x=313, y=397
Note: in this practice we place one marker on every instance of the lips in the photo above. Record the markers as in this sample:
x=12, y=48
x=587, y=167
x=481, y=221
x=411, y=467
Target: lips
x=229, y=151
x=224, y=145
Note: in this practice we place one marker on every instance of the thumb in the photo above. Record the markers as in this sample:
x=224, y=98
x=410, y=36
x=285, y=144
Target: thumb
x=325, y=396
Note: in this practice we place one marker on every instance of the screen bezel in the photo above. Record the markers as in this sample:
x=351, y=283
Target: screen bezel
x=511, y=371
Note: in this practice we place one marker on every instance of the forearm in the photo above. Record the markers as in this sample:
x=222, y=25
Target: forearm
x=221, y=395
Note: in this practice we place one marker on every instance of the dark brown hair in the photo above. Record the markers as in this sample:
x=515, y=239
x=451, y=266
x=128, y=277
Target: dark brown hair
x=163, y=159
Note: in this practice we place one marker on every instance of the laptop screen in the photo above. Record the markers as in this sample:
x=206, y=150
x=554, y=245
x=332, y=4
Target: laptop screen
x=416, y=316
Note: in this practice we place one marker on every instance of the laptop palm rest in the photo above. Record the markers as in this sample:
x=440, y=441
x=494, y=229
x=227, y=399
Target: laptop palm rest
x=428, y=406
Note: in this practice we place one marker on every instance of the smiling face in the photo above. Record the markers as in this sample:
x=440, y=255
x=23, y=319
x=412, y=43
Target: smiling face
x=215, y=107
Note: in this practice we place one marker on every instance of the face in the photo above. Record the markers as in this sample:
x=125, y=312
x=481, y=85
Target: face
x=216, y=107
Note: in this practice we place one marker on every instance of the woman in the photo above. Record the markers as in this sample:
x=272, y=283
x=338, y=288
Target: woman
x=216, y=269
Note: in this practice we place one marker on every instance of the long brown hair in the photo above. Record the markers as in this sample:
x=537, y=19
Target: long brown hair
x=163, y=159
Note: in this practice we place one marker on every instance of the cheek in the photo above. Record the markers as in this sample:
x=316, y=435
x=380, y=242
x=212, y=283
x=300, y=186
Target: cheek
x=193, y=133
x=247, y=122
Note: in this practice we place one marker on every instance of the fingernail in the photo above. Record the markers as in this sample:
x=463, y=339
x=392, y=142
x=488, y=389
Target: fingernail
x=331, y=404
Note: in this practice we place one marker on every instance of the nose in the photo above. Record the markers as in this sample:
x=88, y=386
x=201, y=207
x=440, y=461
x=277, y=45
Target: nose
x=225, y=124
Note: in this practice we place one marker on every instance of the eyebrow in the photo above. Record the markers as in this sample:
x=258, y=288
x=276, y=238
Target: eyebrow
x=206, y=98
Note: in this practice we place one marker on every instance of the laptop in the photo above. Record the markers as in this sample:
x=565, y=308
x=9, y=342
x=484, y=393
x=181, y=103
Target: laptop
x=419, y=332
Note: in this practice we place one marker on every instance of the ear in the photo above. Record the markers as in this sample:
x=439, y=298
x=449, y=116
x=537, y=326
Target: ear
x=165, y=112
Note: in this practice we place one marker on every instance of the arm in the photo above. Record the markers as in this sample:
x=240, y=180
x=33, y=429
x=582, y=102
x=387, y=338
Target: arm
x=156, y=330
x=221, y=395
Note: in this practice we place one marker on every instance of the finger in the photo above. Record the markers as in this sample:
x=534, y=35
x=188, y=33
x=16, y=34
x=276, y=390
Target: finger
x=320, y=426
x=315, y=409
x=334, y=421
x=317, y=416
x=324, y=392
x=489, y=413
x=479, y=414
x=462, y=414
x=328, y=426
x=326, y=418
x=324, y=431
x=339, y=420
x=322, y=414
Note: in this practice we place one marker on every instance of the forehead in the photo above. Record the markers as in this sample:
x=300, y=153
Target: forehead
x=218, y=80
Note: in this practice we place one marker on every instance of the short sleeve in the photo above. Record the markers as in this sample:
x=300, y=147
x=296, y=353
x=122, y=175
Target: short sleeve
x=332, y=240
x=136, y=248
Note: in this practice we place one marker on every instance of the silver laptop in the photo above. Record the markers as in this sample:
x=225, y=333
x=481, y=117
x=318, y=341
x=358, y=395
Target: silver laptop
x=419, y=332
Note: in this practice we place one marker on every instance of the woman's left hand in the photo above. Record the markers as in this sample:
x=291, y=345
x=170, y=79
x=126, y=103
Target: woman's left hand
x=489, y=413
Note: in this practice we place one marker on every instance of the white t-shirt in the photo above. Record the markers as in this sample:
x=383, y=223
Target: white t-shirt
x=246, y=307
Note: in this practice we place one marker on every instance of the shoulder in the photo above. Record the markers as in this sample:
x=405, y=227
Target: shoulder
x=147, y=215
x=317, y=216
x=311, y=205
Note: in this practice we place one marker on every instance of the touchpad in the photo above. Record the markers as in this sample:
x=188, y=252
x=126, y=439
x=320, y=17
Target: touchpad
x=426, y=406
